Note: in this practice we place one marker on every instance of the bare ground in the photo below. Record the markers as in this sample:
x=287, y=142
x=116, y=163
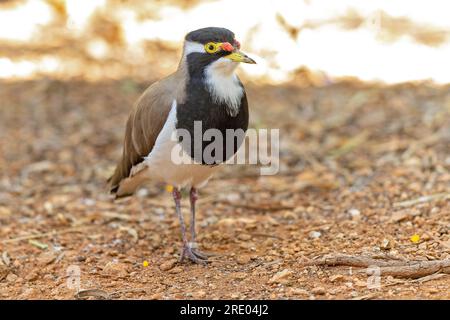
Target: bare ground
x=364, y=168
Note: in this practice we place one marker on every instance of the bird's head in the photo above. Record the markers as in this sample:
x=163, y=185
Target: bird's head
x=215, y=48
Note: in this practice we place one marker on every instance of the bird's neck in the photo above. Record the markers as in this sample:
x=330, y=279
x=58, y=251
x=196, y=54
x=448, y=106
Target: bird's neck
x=224, y=85
x=218, y=80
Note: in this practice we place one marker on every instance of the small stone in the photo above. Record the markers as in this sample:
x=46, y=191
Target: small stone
x=233, y=196
x=116, y=268
x=244, y=259
x=32, y=276
x=199, y=294
x=244, y=237
x=142, y=193
x=399, y=216
x=426, y=237
x=354, y=213
x=46, y=258
x=48, y=277
x=11, y=278
x=6, y=259
x=318, y=291
x=156, y=296
x=435, y=210
x=315, y=234
x=433, y=290
x=360, y=283
x=3, y=272
x=155, y=240
x=168, y=265
x=176, y=270
x=239, y=275
x=298, y=291
x=29, y=292
x=385, y=244
x=336, y=278
x=81, y=258
x=281, y=277
x=290, y=215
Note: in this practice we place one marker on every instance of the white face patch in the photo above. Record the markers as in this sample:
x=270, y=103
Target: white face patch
x=190, y=47
x=224, y=85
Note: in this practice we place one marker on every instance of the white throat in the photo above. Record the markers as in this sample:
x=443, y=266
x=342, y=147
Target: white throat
x=223, y=84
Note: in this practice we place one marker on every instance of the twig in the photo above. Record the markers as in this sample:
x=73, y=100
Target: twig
x=352, y=261
x=46, y=234
x=97, y=293
x=115, y=293
x=423, y=199
x=402, y=269
x=418, y=269
x=430, y=277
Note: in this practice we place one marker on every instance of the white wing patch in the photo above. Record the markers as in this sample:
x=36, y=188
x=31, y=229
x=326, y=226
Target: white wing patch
x=161, y=165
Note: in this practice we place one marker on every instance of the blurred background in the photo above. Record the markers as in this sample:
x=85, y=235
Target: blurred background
x=98, y=39
x=360, y=91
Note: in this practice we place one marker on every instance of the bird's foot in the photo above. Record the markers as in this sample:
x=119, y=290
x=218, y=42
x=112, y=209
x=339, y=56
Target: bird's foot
x=191, y=252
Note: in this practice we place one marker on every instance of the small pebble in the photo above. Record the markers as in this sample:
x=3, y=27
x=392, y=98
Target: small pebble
x=32, y=276
x=199, y=294
x=176, y=270
x=298, y=291
x=318, y=291
x=244, y=259
x=116, y=268
x=385, y=244
x=354, y=213
x=239, y=275
x=281, y=277
x=244, y=237
x=315, y=234
x=11, y=278
x=336, y=277
x=46, y=258
x=168, y=265
x=156, y=296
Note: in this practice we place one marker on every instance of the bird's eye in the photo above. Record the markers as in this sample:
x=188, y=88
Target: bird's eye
x=211, y=47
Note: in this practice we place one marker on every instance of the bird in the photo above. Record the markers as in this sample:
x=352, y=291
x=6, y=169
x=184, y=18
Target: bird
x=204, y=89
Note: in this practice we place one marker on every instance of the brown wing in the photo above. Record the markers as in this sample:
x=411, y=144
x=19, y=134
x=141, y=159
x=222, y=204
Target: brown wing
x=143, y=126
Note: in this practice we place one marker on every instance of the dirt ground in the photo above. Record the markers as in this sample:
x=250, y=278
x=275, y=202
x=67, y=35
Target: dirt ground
x=365, y=171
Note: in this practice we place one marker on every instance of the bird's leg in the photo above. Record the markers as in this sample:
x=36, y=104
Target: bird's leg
x=187, y=250
x=193, y=196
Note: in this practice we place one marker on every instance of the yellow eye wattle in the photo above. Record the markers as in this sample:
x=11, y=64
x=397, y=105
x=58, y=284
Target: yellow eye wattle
x=211, y=47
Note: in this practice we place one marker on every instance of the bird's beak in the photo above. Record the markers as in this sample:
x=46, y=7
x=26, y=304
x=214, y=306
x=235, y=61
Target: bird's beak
x=239, y=56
